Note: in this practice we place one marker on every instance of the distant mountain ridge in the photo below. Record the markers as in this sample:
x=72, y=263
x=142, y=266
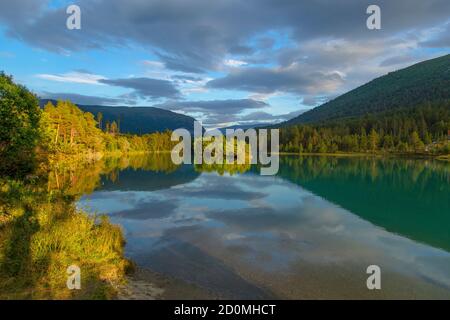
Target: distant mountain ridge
x=138, y=120
x=424, y=82
x=243, y=127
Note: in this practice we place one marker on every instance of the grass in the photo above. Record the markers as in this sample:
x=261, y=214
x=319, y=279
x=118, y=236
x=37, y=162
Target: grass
x=42, y=233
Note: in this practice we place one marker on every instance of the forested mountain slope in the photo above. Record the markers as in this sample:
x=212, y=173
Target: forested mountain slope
x=424, y=82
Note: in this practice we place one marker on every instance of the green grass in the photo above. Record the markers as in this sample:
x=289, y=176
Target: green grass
x=42, y=233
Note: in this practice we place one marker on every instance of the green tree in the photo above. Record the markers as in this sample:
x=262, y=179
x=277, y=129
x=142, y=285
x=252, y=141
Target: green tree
x=99, y=120
x=114, y=129
x=416, y=142
x=374, y=139
x=363, y=140
x=388, y=142
x=19, y=128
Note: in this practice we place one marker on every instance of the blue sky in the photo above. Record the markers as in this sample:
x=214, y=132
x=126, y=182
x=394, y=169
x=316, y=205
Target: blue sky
x=225, y=62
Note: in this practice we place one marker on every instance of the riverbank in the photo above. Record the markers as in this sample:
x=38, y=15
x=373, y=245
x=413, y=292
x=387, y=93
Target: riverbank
x=375, y=154
x=42, y=234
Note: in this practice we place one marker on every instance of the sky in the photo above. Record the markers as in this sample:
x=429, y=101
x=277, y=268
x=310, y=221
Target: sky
x=225, y=62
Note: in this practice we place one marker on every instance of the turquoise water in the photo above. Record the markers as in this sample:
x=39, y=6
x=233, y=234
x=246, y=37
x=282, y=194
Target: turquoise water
x=309, y=232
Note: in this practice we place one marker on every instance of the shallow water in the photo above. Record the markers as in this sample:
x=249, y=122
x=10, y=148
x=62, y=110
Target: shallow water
x=309, y=232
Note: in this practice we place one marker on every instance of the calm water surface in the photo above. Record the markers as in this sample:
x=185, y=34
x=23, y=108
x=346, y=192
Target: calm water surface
x=309, y=232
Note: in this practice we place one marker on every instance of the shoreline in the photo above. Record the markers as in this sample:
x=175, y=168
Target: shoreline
x=377, y=155
x=145, y=284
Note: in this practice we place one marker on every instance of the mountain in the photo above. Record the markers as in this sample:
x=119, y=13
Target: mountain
x=243, y=127
x=138, y=120
x=424, y=82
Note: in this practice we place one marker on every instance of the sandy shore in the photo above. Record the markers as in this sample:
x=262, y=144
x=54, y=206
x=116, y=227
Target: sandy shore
x=144, y=284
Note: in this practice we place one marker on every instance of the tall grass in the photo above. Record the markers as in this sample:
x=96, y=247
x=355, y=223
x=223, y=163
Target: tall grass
x=42, y=233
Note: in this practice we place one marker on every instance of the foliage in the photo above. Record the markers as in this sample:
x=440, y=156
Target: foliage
x=411, y=130
x=42, y=233
x=19, y=128
x=70, y=131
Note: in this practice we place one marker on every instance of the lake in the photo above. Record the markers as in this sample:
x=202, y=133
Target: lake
x=309, y=232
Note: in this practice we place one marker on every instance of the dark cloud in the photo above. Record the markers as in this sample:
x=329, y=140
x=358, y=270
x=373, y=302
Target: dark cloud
x=14, y=12
x=270, y=80
x=306, y=48
x=146, y=88
x=195, y=36
x=241, y=50
x=265, y=43
x=86, y=100
x=193, y=64
x=186, y=78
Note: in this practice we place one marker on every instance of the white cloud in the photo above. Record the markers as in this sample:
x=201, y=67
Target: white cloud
x=263, y=96
x=153, y=64
x=234, y=63
x=74, y=77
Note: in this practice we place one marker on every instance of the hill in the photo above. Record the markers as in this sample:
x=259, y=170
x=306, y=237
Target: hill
x=424, y=82
x=138, y=120
x=243, y=127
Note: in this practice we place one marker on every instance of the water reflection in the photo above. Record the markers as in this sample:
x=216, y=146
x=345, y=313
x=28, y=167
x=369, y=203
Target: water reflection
x=296, y=235
x=405, y=196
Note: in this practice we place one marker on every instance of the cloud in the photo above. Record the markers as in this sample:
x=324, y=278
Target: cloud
x=268, y=80
x=215, y=106
x=331, y=53
x=312, y=49
x=215, y=111
x=185, y=78
x=74, y=77
x=313, y=100
x=219, y=113
x=440, y=39
x=86, y=99
x=195, y=36
x=146, y=88
x=13, y=12
x=234, y=63
x=396, y=60
x=153, y=64
x=261, y=116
